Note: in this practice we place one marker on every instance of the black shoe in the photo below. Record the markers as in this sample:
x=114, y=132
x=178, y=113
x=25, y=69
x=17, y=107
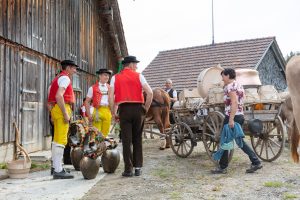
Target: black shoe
x=138, y=172
x=67, y=170
x=218, y=170
x=127, y=174
x=62, y=175
x=253, y=168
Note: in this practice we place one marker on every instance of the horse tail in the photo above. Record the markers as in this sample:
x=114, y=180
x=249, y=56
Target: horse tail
x=295, y=141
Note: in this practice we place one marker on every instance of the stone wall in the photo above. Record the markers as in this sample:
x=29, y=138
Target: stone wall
x=270, y=73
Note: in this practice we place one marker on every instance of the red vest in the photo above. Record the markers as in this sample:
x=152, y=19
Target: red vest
x=97, y=95
x=128, y=88
x=69, y=96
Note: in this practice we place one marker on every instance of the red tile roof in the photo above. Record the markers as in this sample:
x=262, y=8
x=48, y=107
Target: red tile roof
x=183, y=66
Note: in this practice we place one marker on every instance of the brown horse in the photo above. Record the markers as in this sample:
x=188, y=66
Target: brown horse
x=159, y=113
x=286, y=114
x=292, y=76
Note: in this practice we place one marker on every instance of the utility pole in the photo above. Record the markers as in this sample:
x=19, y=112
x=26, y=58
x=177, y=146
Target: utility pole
x=212, y=19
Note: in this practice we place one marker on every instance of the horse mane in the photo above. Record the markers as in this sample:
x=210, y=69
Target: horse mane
x=295, y=137
x=165, y=96
x=167, y=102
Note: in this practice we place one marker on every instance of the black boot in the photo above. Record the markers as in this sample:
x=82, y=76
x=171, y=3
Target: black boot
x=62, y=175
x=52, y=170
x=67, y=155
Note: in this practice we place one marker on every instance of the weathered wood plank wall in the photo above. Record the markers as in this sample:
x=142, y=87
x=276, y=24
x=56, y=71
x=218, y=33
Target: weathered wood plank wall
x=34, y=36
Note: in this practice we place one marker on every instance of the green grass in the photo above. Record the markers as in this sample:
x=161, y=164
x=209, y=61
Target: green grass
x=175, y=195
x=3, y=166
x=235, y=158
x=41, y=166
x=274, y=184
x=289, y=196
x=164, y=172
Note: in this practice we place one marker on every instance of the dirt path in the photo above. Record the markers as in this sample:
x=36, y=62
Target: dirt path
x=166, y=176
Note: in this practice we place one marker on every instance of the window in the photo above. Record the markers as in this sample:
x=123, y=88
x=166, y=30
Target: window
x=76, y=82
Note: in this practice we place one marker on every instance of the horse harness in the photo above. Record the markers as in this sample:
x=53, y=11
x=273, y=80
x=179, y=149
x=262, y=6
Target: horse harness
x=155, y=103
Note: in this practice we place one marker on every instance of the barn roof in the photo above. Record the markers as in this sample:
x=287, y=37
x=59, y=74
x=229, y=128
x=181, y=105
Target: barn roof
x=184, y=65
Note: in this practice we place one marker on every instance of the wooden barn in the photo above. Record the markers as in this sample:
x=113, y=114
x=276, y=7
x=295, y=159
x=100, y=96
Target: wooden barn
x=35, y=35
x=184, y=65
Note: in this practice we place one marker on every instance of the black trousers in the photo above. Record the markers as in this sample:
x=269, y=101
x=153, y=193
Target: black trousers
x=247, y=150
x=132, y=117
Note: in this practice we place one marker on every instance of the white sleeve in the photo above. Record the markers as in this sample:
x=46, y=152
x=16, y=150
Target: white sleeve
x=112, y=82
x=63, y=81
x=142, y=79
x=174, y=94
x=90, y=92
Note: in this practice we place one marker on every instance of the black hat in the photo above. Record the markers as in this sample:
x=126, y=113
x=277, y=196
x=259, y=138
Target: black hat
x=103, y=70
x=255, y=126
x=68, y=62
x=130, y=59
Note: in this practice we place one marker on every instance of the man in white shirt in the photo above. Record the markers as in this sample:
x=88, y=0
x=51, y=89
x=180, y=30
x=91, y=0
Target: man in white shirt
x=173, y=97
x=127, y=92
x=60, y=100
x=172, y=93
x=98, y=94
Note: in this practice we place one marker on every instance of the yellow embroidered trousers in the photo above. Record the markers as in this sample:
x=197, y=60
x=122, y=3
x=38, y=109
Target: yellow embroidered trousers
x=102, y=119
x=61, y=128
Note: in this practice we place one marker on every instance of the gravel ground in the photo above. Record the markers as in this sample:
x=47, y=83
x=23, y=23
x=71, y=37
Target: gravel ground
x=166, y=176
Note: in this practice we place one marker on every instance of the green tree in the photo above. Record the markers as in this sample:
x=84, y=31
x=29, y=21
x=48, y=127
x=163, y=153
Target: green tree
x=289, y=56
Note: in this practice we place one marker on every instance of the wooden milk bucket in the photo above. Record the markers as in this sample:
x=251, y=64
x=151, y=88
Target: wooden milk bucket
x=248, y=77
x=19, y=168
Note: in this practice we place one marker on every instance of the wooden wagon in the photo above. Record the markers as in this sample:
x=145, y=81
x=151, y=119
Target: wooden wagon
x=205, y=122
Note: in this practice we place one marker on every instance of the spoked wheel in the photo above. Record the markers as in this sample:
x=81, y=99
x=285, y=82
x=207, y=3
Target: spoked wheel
x=211, y=135
x=182, y=140
x=269, y=144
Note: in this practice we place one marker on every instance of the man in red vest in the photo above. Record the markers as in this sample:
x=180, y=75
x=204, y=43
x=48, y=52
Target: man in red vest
x=126, y=91
x=61, y=98
x=98, y=93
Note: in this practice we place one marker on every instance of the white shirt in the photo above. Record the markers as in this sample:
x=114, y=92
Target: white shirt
x=84, y=110
x=142, y=80
x=63, y=81
x=174, y=93
x=104, y=91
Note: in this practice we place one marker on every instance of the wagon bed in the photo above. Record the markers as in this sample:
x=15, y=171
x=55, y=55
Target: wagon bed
x=205, y=123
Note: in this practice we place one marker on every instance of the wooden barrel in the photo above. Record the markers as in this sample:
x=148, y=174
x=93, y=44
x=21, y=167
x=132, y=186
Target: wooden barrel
x=209, y=78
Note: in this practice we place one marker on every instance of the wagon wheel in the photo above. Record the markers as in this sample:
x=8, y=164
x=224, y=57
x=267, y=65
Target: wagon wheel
x=269, y=144
x=211, y=135
x=182, y=140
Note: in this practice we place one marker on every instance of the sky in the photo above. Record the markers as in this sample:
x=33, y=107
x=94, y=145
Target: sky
x=151, y=26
